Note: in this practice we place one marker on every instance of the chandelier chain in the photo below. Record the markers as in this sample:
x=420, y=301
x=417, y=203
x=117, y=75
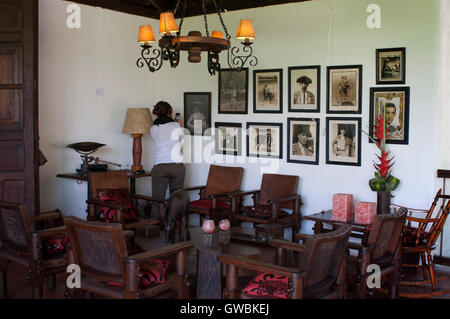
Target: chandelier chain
x=205, y=18
x=221, y=21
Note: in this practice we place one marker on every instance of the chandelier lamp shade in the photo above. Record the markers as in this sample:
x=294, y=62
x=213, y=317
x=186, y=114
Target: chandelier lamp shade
x=172, y=42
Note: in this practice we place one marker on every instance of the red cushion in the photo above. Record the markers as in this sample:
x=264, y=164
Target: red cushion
x=262, y=211
x=268, y=285
x=207, y=204
x=54, y=246
x=152, y=273
x=120, y=197
x=410, y=236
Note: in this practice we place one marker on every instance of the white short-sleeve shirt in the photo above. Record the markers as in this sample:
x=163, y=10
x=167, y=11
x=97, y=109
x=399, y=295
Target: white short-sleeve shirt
x=168, y=142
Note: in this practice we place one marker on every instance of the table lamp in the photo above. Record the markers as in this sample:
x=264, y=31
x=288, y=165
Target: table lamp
x=137, y=123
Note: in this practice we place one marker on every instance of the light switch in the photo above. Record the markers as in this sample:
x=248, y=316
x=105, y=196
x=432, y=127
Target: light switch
x=100, y=92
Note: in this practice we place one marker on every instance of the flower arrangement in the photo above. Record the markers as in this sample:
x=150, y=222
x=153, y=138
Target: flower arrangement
x=383, y=180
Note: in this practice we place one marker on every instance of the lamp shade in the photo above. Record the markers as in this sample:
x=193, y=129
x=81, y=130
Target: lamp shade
x=146, y=34
x=167, y=23
x=217, y=34
x=245, y=30
x=137, y=121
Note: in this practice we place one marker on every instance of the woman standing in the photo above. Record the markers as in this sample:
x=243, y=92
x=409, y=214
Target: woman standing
x=168, y=167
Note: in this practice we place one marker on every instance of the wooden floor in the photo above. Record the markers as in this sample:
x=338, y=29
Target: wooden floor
x=18, y=287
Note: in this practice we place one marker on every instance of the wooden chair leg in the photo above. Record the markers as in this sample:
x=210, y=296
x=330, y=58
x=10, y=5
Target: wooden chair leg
x=51, y=282
x=431, y=270
x=424, y=266
x=37, y=292
x=3, y=272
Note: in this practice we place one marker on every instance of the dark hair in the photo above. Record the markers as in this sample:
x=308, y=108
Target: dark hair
x=390, y=105
x=304, y=79
x=162, y=108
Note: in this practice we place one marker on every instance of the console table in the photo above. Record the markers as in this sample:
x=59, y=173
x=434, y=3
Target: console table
x=131, y=176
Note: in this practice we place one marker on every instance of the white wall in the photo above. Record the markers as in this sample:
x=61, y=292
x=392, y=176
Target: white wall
x=327, y=32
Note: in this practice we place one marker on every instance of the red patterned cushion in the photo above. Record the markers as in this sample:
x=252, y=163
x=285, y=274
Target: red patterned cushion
x=410, y=236
x=54, y=246
x=262, y=211
x=152, y=273
x=207, y=204
x=268, y=285
x=120, y=197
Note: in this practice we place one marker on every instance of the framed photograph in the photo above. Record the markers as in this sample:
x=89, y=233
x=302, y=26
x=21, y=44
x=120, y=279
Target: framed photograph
x=228, y=138
x=197, y=112
x=394, y=102
x=268, y=91
x=303, y=140
x=233, y=91
x=391, y=66
x=304, y=88
x=265, y=140
x=344, y=141
x=344, y=89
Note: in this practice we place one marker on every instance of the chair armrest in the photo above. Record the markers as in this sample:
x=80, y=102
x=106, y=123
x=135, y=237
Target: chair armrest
x=238, y=194
x=99, y=203
x=51, y=231
x=228, y=194
x=193, y=188
x=47, y=216
x=160, y=252
x=145, y=197
x=285, y=199
x=288, y=245
x=421, y=220
x=410, y=209
x=251, y=264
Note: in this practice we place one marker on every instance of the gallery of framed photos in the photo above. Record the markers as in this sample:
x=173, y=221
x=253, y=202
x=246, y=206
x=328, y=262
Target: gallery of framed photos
x=343, y=125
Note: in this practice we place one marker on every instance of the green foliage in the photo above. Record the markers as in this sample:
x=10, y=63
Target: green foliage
x=379, y=184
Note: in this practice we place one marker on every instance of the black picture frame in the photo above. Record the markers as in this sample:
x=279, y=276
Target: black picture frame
x=339, y=91
x=278, y=126
x=387, y=74
x=314, y=158
x=238, y=140
x=296, y=72
x=332, y=128
x=268, y=88
x=201, y=100
x=401, y=117
x=233, y=89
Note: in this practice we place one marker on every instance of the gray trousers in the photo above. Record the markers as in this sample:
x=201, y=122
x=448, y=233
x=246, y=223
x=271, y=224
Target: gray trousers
x=163, y=175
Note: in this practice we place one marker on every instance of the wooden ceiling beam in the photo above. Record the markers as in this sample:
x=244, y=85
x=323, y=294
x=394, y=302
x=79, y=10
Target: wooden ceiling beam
x=117, y=5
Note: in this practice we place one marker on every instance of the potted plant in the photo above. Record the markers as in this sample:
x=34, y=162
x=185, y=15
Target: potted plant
x=384, y=182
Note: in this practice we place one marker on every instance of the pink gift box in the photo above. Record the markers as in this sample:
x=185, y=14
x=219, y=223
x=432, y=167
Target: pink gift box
x=342, y=207
x=365, y=212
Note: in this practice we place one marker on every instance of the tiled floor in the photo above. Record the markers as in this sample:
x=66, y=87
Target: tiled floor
x=18, y=287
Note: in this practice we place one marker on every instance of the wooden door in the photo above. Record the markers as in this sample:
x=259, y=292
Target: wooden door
x=19, y=179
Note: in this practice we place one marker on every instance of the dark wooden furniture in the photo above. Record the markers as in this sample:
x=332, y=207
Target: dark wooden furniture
x=100, y=251
x=21, y=243
x=214, y=202
x=202, y=261
x=383, y=249
x=131, y=176
x=420, y=239
x=276, y=192
x=116, y=180
x=440, y=259
x=19, y=138
x=325, y=217
x=320, y=273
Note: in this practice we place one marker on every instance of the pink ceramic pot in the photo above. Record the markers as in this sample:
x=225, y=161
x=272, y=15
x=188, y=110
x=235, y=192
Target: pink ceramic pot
x=208, y=226
x=224, y=224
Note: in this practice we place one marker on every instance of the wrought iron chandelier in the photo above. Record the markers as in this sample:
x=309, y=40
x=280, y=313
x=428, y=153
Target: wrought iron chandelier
x=194, y=43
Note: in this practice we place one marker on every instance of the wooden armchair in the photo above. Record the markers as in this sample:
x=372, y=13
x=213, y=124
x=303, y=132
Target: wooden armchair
x=276, y=192
x=320, y=273
x=383, y=249
x=112, y=201
x=214, y=201
x=420, y=239
x=99, y=249
x=40, y=251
